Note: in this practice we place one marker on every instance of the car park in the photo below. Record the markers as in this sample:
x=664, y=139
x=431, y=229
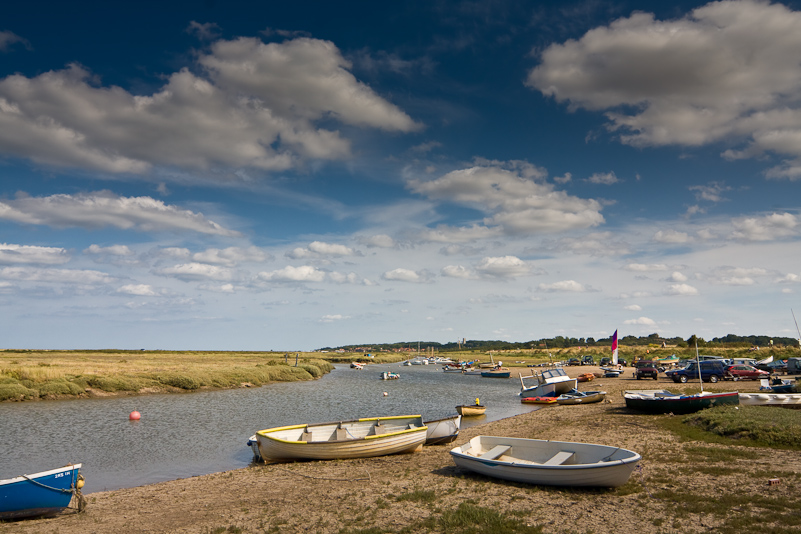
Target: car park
x=711, y=371
x=645, y=369
x=745, y=372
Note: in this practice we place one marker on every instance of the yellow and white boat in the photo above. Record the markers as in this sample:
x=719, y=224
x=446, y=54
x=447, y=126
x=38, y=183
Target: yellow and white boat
x=362, y=438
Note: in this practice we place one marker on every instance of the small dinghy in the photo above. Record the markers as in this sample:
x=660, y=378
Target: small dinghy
x=362, y=438
x=581, y=397
x=547, y=463
x=443, y=430
x=41, y=494
x=538, y=400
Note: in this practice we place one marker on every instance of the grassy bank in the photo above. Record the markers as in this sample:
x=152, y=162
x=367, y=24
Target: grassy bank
x=32, y=375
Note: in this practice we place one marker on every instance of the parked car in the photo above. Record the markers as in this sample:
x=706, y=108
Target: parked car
x=645, y=369
x=681, y=366
x=778, y=367
x=621, y=361
x=711, y=371
x=574, y=361
x=587, y=360
x=745, y=372
x=605, y=361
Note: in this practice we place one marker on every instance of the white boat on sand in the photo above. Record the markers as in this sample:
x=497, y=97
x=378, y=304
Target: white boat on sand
x=547, y=463
x=550, y=383
x=443, y=430
x=785, y=400
x=362, y=438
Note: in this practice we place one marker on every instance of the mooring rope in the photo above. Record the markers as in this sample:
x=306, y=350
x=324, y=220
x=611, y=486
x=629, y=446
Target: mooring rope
x=61, y=490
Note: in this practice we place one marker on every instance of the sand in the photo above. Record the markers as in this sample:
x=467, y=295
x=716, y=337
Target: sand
x=392, y=493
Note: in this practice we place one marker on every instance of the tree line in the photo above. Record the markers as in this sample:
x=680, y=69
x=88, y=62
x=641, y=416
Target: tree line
x=560, y=342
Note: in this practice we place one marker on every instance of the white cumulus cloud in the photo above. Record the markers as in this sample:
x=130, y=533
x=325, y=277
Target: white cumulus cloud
x=102, y=209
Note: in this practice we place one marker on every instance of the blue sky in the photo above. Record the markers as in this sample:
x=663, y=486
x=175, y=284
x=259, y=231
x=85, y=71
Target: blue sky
x=251, y=176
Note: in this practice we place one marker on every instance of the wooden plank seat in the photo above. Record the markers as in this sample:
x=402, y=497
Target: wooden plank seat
x=495, y=452
x=559, y=458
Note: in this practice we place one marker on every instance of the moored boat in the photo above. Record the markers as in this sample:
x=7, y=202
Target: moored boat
x=443, y=430
x=389, y=375
x=550, y=383
x=581, y=397
x=471, y=410
x=356, y=365
x=664, y=401
x=361, y=438
x=545, y=462
x=498, y=372
x=41, y=494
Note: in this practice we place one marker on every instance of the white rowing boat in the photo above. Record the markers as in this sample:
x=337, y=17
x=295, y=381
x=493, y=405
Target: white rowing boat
x=362, y=438
x=443, y=430
x=548, y=463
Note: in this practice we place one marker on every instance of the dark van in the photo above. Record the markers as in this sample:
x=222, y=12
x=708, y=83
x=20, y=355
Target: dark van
x=711, y=371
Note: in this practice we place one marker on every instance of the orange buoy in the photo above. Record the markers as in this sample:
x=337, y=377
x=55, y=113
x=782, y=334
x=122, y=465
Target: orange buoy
x=386, y=394
x=134, y=416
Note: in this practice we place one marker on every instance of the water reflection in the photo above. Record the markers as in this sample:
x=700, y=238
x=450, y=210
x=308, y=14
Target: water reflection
x=192, y=434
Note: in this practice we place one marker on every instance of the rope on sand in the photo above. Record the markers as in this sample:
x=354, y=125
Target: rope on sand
x=324, y=478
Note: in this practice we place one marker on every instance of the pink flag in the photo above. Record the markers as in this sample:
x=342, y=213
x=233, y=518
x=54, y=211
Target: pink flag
x=614, y=348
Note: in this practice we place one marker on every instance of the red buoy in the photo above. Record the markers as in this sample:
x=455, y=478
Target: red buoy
x=134, y=416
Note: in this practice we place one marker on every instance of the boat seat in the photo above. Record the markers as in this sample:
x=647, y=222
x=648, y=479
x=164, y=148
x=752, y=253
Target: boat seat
x=496, y=452
x=306, y=436
x=341, y=433
x=559, y=458
x=380, y=429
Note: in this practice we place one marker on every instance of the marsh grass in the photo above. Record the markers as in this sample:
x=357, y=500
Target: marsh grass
x=471, y=519
x=56, y=374
x=423, y=496
x=749, y=426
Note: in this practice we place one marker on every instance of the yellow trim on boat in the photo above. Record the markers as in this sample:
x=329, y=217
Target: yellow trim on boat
x=389, y=418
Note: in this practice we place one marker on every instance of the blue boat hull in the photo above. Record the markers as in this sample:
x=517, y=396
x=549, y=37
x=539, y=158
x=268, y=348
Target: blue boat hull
x=45, y=493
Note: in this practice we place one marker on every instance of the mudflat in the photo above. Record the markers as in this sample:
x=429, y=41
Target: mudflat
x=679, y=487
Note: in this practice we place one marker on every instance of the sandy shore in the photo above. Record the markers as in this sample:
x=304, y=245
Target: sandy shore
x=388, y=494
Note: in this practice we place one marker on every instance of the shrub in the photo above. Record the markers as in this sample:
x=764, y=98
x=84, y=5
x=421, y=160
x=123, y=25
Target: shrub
x=181, y=381
x=15, y=391
x=59, y=386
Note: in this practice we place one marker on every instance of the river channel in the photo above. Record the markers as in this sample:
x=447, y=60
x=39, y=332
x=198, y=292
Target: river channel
x=184, y=435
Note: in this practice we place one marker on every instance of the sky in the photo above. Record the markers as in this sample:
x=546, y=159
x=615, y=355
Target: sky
x=265, y=176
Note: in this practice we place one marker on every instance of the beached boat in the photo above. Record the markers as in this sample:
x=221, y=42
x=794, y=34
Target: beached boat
x=471, y=410
x=389, y=375
x=40, y=494
x=785, y=400
x=498, y=372
x=361, y=438
x=549, y=463
x=664, y=401
x=550, y=383
x=585, y=377
x=538, y=400
x=443, y=430
x=581, y=397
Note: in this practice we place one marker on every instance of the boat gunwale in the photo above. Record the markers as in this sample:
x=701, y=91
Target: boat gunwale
x=23, y=478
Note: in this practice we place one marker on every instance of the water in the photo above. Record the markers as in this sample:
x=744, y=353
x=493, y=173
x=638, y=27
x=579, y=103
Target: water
x=185, y=435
